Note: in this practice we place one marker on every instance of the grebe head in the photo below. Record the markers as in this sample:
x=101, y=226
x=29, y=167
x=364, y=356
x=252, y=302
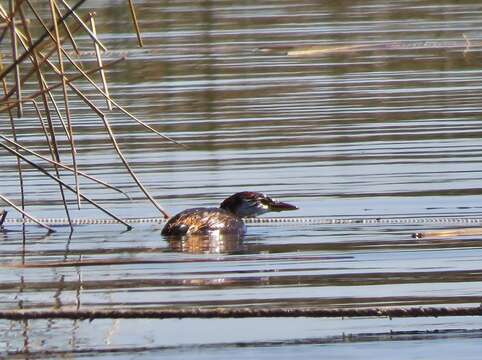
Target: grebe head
x=251, y=204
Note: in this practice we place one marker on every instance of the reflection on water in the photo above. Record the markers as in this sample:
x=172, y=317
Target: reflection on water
x=209, y=244
x=387, y=122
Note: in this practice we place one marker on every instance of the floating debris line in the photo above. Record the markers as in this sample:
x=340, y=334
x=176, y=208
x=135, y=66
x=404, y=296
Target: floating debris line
x=464, y=44
x=242, y=312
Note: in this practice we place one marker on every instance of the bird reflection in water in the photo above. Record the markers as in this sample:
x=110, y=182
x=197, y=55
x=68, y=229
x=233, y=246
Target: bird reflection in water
x=213, y=243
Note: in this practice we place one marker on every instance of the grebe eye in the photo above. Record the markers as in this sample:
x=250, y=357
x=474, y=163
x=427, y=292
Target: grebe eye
x=266, y=201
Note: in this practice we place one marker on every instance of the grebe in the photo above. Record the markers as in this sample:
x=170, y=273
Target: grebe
x=227, y=219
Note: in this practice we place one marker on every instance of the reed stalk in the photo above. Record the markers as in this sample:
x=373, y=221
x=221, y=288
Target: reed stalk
x=14, y=134
x=27, y=215
x=13, y=43
x=40, y=46
x=53, y=138
x=99, y=63
x=73, y=151
x=136, y=23
x=63, y=166
x=65, y=26
x=63, y=183
x=84, y=25
x=37, y=42
x=3, y=215
x=13, y=104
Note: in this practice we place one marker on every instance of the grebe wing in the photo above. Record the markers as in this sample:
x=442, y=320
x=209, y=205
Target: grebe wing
x=203, y=221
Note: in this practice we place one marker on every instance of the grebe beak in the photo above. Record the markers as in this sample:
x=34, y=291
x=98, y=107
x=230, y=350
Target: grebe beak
x=275, y=205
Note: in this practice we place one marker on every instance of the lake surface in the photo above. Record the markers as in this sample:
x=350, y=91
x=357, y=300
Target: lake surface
x=386, y=122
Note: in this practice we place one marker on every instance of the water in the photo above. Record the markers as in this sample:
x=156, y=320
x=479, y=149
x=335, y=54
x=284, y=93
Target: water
x=390, y=128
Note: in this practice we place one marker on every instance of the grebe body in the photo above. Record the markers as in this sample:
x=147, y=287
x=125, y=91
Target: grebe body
x=227, y=219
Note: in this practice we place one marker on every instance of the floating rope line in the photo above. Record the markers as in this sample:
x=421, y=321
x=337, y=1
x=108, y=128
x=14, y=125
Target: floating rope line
x=366, y=220
x=65, y=221
x=320, y=220
x=241, y=312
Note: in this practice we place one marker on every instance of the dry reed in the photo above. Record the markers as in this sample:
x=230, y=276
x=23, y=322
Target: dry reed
x=38, y=47
x=471, y=231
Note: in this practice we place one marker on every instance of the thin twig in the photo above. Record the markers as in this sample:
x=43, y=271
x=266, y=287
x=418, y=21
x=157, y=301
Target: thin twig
x=102, y=92
x=99, y=63
x=10, y=18
x=43, y=59
x=62, y=183
x=119, y=152
x=54, y=148
x=114, y=142
x=37, y=42
x=69, y=33
x=86, y=28
x=73, y=149
x=23, y=39
x=136, y=23
x=12, y=104
x=32, y=70
x=14, y=134
x=13, y=41
x=2, y=26
x=81, y=173
x=44, y=128
x=3, y=215
x=106, y=95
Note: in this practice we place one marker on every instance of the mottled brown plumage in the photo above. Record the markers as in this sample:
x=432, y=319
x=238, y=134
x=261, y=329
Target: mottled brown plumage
x=203, y=221
x=227, y=219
